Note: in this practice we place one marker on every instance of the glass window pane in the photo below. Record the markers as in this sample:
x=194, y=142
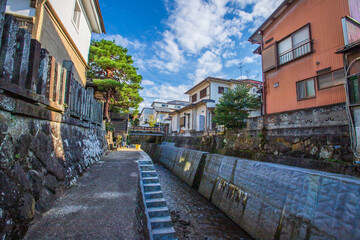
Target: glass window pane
x=338, y=76
x=310, y=88
x=300, y=37
x=325, y=80
x=284, y=45
x=301, y=89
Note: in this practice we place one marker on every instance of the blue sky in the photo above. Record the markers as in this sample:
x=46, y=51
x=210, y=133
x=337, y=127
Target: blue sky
x=177, y=43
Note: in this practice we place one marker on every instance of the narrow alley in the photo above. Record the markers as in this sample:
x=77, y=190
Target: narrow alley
x=103, y=204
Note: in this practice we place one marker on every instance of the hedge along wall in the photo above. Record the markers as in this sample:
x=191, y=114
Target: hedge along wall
x=272, y=201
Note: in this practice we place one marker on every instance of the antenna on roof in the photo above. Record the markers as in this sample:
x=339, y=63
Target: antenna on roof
x=240, y=67
x=247, y=72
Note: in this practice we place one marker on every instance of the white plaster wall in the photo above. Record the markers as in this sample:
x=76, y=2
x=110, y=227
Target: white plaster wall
x=175, y=122
x=20, y=7
x=197, y=91
x=187, y=120
x=145, y=115
x=214, y=95
x=201, y=110
x=81, y=36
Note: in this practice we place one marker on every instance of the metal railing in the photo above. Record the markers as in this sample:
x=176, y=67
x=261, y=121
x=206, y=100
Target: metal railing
x=295, y=53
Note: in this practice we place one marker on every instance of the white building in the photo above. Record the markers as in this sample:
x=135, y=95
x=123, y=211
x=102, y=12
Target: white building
x=204, y=96
x=160, y=112
x=145, y=116
x=63, y=28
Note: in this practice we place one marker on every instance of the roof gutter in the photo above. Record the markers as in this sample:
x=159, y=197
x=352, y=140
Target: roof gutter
x=97, y=5
x=269, y=20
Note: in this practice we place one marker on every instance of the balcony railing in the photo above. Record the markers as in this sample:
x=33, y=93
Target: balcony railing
x=295, y=53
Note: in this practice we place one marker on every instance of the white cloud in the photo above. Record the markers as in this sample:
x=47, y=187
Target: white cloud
x=164, y=92
x=120, y=40
x=232, y=62
x=208, y=64
x=147, y=83
x=254, y=58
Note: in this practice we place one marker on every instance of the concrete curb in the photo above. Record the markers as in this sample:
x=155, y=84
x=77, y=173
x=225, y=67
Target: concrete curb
x=157, y=213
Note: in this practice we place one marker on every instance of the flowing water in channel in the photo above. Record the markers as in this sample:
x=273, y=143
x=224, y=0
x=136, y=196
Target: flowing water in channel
x=194, y=217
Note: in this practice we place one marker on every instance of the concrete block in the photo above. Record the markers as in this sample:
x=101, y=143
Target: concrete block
x=211, y=172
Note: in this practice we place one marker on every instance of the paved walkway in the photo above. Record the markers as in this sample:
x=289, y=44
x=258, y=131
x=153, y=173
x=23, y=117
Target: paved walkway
x=103, y=204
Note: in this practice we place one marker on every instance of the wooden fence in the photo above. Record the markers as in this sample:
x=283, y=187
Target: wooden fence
x=31, y=73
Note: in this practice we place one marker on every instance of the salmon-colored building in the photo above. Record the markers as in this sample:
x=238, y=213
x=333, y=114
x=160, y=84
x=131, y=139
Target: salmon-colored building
x=298, y=44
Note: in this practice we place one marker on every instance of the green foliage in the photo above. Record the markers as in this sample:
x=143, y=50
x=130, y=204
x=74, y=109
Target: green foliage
x=152, y=121
x=109, y=127
x=136, y=122
x=234, y=107
x=113, y=73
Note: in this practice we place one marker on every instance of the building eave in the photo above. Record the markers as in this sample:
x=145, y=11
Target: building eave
x=256, y=37
x=208, y=79
x=93, y=12
x=204, y=101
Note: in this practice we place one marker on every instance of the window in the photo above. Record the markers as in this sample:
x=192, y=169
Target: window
x=194, y=98
x=269, y=58
x=305, y=89
x=163, y=105
x=203, y=93
x=182, y=121
x=331, y=79
x=294, y=46
x=354, y=89
x=76, y=15
x=221, y=90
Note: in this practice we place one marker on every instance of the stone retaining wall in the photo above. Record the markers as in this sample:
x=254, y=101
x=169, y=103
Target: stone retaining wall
x=316, y=138
x=272, y=201
x=39, y=160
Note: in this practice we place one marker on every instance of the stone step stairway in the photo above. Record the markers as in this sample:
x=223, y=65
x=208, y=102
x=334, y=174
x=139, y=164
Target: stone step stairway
x=158, y=216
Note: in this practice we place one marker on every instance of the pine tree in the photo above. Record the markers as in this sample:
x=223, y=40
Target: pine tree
x=115, y=76
x=234, y=107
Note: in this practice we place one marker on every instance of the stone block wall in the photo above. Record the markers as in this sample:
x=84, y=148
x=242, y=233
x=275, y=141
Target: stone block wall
x=315, y=138
x=272, y=201
x=39, y=160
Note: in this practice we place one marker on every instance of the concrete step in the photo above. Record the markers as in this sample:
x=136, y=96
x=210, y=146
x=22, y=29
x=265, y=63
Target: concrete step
x=158, y=212
x=147, y=167
x=150, y=180
x=164, y=233
x=145, y=162
x=154, y=194
x=160, y=222
x=155, y=202
x=150, y=187
x=148, y=174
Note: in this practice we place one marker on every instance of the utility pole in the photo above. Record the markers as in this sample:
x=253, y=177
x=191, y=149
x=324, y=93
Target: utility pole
x=240, y=67
x=257, y=76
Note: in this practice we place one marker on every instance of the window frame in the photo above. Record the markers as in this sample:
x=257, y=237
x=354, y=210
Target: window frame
x=297, y=89
x=224, y=89
x=76, y=24
x=332, y=73
x=290, y=35
x=201, y=93
x=192, y=98
x=184, y=123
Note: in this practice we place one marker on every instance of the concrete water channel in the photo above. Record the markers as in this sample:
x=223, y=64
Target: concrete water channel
x=193, y=216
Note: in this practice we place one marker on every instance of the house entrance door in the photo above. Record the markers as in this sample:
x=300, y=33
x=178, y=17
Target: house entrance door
x=201, y=122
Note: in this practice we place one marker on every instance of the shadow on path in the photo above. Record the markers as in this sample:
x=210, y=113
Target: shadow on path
x=103, y=204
